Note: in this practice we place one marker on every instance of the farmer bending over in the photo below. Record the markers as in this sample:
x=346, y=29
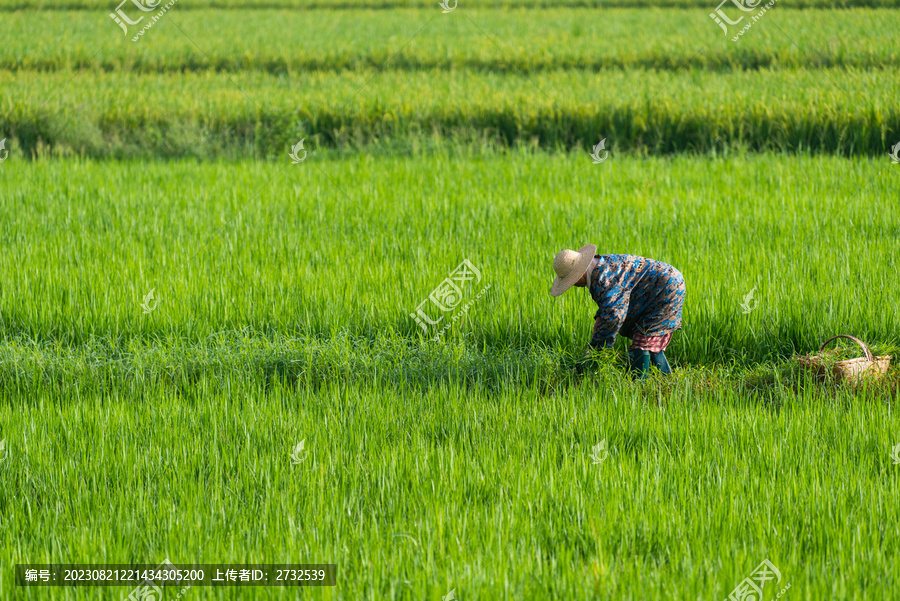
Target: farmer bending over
x=638, y=298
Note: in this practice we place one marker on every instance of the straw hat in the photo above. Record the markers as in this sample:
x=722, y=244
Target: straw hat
x=569, y=266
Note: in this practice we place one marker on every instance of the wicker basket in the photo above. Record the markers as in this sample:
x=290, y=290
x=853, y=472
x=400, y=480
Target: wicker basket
x=852, y=370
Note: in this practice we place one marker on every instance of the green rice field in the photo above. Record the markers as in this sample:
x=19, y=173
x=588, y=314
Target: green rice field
x=183, y=301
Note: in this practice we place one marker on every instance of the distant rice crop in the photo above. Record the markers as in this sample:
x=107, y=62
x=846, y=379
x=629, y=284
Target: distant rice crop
x=261, y=115
x=362, y=78
x=493, y=41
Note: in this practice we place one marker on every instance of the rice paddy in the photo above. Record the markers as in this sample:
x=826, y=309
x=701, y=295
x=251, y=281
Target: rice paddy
x=181, y=304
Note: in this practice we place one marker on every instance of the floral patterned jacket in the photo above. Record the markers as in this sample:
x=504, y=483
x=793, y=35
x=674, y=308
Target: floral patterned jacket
x=634, y=294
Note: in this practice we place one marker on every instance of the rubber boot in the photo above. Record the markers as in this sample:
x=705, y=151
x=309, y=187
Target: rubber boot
x=639, y=362
x=660, y=361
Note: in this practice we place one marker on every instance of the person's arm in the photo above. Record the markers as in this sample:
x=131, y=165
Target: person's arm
x=599, y=339
x=607, y=323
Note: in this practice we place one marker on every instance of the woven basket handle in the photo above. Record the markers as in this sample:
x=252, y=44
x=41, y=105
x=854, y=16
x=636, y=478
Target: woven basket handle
x=869, y=354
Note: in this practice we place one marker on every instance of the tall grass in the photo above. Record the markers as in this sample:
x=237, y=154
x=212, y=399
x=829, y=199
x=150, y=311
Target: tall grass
x=356, y=242
x=492, y=494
